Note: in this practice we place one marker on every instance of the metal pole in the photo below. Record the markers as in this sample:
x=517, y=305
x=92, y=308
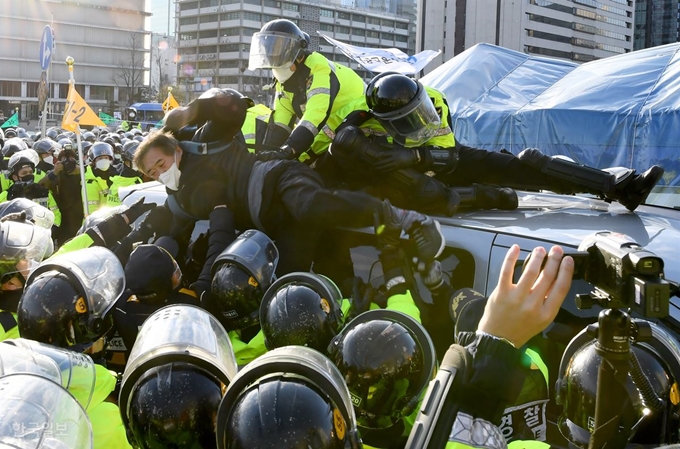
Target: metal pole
x=72, y=82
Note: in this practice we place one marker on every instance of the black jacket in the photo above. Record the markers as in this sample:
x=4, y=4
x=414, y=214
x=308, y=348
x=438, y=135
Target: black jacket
x=128, y=316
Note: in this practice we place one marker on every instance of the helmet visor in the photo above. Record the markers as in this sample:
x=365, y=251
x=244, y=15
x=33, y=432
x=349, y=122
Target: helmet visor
x=178, y=333
x=36, y=412
x=76, y=371
x=13, y=360
x=254, y=252
x=22, y=242
x=269, y=50
x=416, y=123
x=98, y=271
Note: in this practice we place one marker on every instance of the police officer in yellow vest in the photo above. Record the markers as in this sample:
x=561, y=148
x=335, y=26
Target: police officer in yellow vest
x=66, y=303
x=23, y=183
x=412, y=124
x=310, y=89
x=90, y=383
x=22, y=246
x=255, y=127
x=103, y=178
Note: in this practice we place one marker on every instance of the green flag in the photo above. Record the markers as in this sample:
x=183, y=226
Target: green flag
x=106, y=118
x=12, y=121
x=159, y=124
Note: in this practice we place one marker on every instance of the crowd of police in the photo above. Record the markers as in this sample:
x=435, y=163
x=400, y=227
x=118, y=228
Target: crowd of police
x=119, y=329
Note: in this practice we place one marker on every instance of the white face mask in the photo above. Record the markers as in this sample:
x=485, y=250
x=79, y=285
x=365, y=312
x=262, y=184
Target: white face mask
x=282, y=74
x=49, y=160
x=103, y=164
x=171, y=177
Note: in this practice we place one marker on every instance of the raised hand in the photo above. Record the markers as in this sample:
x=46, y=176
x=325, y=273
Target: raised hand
x=517, y=312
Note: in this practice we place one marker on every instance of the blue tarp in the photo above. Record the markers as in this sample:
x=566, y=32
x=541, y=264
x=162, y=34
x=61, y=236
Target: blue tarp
x=619, y=111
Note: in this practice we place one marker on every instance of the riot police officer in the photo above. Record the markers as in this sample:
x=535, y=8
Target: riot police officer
x=290, y=397
x=173, y=383
x=242, y=273
x=310, y=89
x=61, y=422
x=415, y=120
x=66, y=303
x=22, y=247
x=103, y=178
x=23, y=183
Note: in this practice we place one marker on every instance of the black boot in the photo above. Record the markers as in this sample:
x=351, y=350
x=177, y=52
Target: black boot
x=480, y=196
x=634, y=190
x=617, y=184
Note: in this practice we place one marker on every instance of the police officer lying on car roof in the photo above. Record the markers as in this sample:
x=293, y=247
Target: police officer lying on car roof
x=399, y=140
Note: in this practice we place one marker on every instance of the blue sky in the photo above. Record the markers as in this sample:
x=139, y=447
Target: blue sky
x=159, y=19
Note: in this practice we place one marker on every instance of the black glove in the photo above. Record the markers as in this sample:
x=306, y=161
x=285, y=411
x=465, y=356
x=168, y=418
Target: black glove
x=158, y=221
x=286, y=152
x=137, y=210
x=16, y=191
x=33, y=191
x=387, y=227
x=396, y=158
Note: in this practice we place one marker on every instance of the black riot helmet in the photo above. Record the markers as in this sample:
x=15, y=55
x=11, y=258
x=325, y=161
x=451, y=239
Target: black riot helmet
x=100, y=149
x=403, y=106
x=241, y=275
x=173, y=406
x=44, y=146
x=646, y=424
x=278, y=44
x=67, y=298
x=66, y=144
x=52, y=134
x=89, y=136
x=35, y=213
x=178, y=367
x=13, y=146
x=387, y=360
x=289, y=398
x=301, y=309
x=129, y=149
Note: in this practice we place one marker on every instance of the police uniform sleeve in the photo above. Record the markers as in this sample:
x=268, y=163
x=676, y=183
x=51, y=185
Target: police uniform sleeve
x=52, y=205
x=492, y=380
x=107, y=425
x=399, y=283
x=322, y=88
x=284, y=115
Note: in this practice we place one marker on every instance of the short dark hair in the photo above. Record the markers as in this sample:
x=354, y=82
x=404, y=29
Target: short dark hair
x=157, y=138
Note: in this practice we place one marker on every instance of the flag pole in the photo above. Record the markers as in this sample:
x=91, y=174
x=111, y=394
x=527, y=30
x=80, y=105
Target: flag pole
x=86, y=207
x=166, y=106
x=43, y=125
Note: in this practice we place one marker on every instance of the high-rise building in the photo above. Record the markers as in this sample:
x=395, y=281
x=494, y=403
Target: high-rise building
x=577, y=30
x=657, y=22
x=214, y=37
x=108, y=40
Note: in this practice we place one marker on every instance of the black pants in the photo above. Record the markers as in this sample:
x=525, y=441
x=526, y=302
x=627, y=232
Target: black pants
x=302, y=210
x=501, y=169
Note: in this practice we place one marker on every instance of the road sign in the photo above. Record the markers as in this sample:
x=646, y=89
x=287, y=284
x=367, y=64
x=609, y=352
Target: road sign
x=46, y=47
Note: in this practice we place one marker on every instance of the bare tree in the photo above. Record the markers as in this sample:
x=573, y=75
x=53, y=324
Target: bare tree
x=130, y=73
x=161, y=93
